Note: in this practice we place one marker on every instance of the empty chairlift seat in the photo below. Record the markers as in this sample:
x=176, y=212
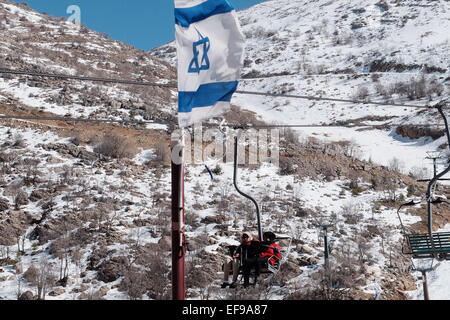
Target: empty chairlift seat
x=420, y=245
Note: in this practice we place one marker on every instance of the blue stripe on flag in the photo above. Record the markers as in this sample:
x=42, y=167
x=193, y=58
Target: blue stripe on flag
x=207, y=95
x=186, y=16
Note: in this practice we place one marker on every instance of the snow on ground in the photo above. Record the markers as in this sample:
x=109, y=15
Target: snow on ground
x=381, y=147
x=36, y=98
x=291, y=33
x=378, y=146
x=19, y=12
x=98, y=178
x=300, y=57
x=328, y=196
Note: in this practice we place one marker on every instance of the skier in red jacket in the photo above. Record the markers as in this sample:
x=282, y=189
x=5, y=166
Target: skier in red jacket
x=272, y=249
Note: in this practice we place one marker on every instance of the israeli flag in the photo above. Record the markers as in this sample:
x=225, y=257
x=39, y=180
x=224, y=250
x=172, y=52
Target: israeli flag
x=210, y=47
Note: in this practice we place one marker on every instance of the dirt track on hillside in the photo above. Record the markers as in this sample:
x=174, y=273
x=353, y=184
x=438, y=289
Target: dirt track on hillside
x=143, y=138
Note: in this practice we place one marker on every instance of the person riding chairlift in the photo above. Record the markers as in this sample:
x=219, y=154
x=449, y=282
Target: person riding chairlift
x=270, y=254
x=248, y=249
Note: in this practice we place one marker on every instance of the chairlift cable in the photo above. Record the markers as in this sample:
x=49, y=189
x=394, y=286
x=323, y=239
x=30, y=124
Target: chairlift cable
x=210, y=125
x=175, y=86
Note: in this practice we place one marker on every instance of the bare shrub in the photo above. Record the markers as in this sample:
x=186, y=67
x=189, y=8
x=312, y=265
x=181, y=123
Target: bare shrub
x=18, y=141
x=157, y=276
x=362, y=93
x=364, y=246
x=435, y=87
x=342, y=39
x=350, y=148
x=33, y=174
x=42, y=277
x=354, y=180
x=161, y=154
x=396, y=165
x=77, y=256
x=60, y=249
x=321, y=292
x=400, y=88
x=114, y=146
x=291, y=138
x=383, y=91
x=417, y=88
x=351, y=211
x=347, y=269
x=76, y=139
x=388, y=184
x=197, y=272
x=287, y=166
x=20, y=199
x=134, y=283
x=31, y=274
x=418, y=173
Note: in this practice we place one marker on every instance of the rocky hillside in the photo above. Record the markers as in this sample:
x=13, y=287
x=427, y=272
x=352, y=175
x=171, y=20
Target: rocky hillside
x=42, y=43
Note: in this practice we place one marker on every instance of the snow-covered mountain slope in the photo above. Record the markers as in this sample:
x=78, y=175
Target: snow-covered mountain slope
x=361, y=50
x=85, y=208
x=341, y=40
x=343, y=35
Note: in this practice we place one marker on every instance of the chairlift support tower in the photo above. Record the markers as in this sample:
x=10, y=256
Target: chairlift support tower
x=325, y=226
x=424, y=270
x=431, y=245
x=325, y=229
x=434, y=155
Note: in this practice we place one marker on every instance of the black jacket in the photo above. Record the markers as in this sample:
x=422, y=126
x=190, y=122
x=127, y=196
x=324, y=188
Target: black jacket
x=249, y=251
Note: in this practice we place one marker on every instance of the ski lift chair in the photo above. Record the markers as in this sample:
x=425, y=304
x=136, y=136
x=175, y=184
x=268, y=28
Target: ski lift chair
x=432, y=244
x=278, y=262
x=273, y=271
x=268, y=269
x=419, y=246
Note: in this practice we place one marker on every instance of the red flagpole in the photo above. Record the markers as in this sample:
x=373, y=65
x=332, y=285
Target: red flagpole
x=178, y=237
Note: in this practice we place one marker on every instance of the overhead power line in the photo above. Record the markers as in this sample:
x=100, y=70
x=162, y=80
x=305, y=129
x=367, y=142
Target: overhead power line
x=320, y=98
x=90, y=120
x=237, y=126
x=174, y=86
x=71, y=119
x=377, y=126
x=84, y=78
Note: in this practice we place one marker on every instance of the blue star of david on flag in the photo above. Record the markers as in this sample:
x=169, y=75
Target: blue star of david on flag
x=195, y=66
x=210, y=49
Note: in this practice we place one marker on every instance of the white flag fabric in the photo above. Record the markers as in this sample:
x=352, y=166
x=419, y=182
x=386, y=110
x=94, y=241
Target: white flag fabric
x=210, y=48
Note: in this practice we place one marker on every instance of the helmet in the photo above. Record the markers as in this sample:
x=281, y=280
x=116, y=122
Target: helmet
x=269, y=235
